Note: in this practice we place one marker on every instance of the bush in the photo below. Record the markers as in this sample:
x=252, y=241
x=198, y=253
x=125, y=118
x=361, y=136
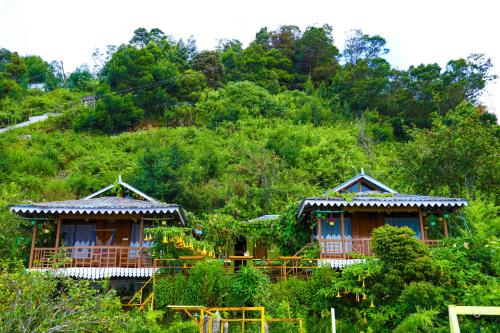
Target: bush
x=40, y=302
x=250, y=287
x=172, y=290
x=417, y=322
x=208, y=283
x=112, y=114
x=421, y=295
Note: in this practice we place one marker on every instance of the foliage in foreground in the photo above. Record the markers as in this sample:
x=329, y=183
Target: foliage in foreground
x=406, y=290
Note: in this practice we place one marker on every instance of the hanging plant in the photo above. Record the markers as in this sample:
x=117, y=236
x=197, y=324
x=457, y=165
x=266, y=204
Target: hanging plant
x=172, y=242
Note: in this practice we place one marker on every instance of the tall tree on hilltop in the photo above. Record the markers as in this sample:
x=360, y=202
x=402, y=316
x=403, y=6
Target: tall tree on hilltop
x=361, y=46
x=456, y=157
x=316, y=54
x=209, y=63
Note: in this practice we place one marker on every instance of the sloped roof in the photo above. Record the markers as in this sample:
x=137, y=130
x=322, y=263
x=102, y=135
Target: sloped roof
x=127, y=186
x=96, y=204
x=265, y=217
x=362, y=176
x=101, y=205
x=378, y=199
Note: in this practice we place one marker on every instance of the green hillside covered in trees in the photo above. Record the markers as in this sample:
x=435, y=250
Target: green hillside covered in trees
x=237, y=132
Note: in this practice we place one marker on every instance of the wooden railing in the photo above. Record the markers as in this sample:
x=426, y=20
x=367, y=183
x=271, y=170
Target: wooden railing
x=136, y=257
x=336, y=249
x=92, y=256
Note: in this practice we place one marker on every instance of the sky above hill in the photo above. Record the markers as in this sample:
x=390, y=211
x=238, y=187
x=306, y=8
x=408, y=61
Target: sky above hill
x=417, y=32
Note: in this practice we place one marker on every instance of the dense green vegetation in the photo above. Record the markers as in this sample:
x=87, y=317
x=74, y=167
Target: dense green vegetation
x=237, y=132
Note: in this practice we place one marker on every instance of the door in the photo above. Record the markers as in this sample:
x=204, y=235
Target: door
x=364, y=223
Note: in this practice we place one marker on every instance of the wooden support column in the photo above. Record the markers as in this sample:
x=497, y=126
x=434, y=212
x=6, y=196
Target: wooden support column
x=342, y=235
x=141, y=239
x=33, y=244
x=319, y=238
x=421, y=220
x=445, y=227
x=58, y=235
x=141, y=233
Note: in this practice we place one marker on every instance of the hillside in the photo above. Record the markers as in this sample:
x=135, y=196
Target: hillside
x=237, y=132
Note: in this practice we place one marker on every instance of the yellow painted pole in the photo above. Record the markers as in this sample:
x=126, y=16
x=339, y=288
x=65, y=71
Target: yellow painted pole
x=243, y=323
x=202, y=320
x=300, y=325
x=262, y=322
x=33, y=245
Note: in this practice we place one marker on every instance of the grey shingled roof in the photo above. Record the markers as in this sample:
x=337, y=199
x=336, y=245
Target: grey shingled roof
x=364, y=199
x=100, y=205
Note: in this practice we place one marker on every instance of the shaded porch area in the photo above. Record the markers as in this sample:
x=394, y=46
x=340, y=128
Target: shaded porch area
x=347, y=234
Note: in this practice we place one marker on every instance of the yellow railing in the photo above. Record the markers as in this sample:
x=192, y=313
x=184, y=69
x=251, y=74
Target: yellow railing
x=142, y=297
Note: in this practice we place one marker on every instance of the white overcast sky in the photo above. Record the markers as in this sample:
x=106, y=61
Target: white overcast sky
x=418, y=31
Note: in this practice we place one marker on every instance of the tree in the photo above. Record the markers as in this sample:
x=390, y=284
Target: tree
x=147, y=72
x=16, y=68
x=316, y=55
x=191, y=85
x=361, y=46
x=82, y=79
x=112, y=114
x=466, y=79
x=262, y=38
x=209, y=63
x=285, y=40
x=456, y=157
x=38, y=69
x=142, y=37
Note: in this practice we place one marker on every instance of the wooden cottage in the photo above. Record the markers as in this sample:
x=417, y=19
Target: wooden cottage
x=346, y=215
x=101, y=235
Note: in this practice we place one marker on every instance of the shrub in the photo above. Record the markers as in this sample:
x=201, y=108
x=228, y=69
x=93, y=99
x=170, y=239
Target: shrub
x=423, y=295
x=250, y=287
x=208, y=283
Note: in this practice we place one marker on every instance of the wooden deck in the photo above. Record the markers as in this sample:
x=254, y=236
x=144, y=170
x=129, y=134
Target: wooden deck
x=139, y=257
x=349, y=248
x=92, y=256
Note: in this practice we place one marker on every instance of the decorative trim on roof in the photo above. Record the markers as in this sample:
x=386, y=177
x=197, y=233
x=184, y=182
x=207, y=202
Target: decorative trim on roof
x=101, y=205
x=339, y=263
x=398, y=200
x=98, y=273
x=122, y=183
x=364, y=177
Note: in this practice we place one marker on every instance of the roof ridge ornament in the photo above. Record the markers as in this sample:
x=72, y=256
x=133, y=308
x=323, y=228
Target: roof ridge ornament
x=362, y=176
x=127, y=186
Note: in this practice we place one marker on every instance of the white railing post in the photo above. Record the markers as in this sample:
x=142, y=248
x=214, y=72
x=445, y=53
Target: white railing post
x=333, y=321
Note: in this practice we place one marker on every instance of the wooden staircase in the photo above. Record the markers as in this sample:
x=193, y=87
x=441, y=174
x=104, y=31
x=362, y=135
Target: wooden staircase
x=308, y=246
x=144, y=297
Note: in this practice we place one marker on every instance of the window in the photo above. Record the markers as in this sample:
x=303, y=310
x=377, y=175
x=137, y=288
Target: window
x=79, y=235
x=356, y=188
x=410, y=222
x=333, y=232
x=135, y=236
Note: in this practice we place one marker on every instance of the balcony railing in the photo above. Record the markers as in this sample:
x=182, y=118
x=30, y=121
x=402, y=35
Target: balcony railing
x=92, y=256
x=336, y=249
x=137, y=257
